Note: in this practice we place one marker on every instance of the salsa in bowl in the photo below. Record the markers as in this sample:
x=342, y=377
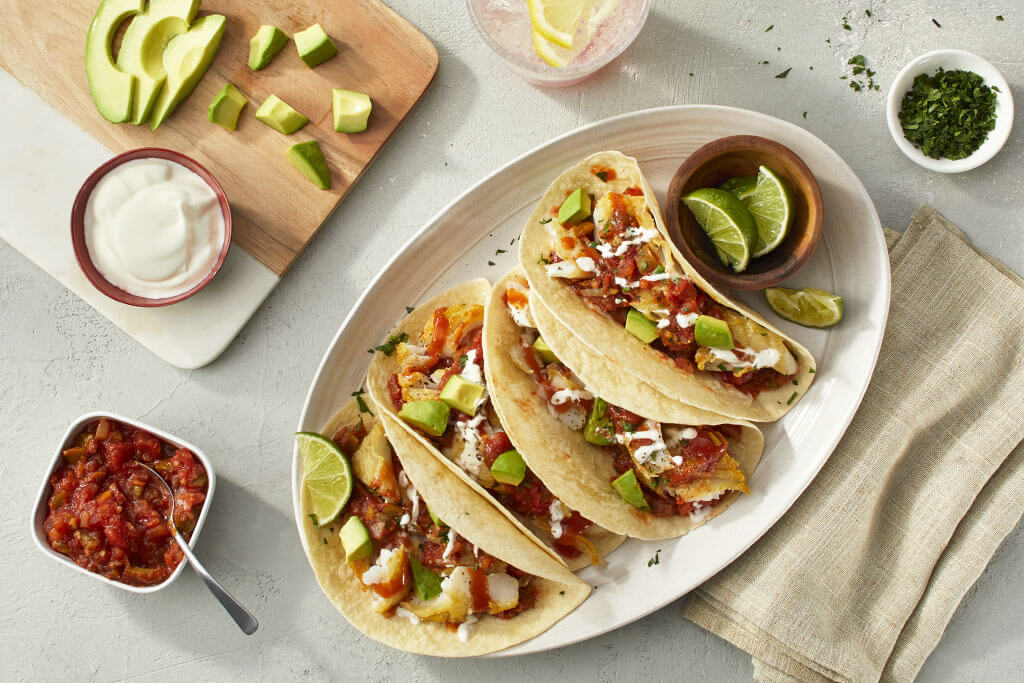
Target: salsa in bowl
x=101, y=512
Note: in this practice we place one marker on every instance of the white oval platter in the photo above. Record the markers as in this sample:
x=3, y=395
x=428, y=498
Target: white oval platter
x=458, y=243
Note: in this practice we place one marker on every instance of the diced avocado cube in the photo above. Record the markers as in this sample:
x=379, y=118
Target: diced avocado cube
x=226, y=107
x=265, y=45
x=308, y=158
x=599, y=430
x=351, y=110
x=314, y=45
x=575, y=208
x=430, y=415
x=509, y=468
x=463, y=395
x=434, y=518
x=280, y=116
x=629, y=490
x=640, y=327
x=544, y=351
x=426, y=583
x=712, y=333
x=355, y=539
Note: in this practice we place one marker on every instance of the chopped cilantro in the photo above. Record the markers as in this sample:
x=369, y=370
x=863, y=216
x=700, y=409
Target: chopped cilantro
x=545, y=220
x=791, y=398
x=659, y=270
x=999, y=17
x=721, y=367
x=796, y=383
x=561, y=592
x=769, y=28
x=811, y=371
x=656, y=559
x=325, y=541
x=603, y=175
x=948, y=114
x=313, y=517
x=409, y=309
x=805, y=115
x=764, y=61
x=846, y=25
x=362, y=405
x=490, y=263
x=867, y=13
x=691, y=74
x=783, y=74
x=544, y=260
x=388, y=347
x=937, y=24
x=499, y=251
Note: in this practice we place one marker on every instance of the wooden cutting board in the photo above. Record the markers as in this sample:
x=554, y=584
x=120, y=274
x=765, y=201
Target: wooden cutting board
x=275, y=211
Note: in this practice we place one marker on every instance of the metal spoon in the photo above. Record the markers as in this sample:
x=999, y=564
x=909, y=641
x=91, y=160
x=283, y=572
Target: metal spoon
x=245, y=620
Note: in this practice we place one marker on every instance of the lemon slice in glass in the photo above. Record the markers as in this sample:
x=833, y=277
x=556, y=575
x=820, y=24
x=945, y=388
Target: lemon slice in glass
x=557, y=20
x=328, y=476
x=809, y=307
x=727, y=223
x=552, y=54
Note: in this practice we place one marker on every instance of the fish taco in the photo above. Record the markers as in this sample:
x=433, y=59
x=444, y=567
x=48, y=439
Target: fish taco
x=650, y=474
x=598, y=257
x=430, y=377
x=419, y=561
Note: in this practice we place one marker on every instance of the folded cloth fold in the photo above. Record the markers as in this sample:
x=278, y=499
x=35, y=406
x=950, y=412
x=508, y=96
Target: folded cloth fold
x=859, y=579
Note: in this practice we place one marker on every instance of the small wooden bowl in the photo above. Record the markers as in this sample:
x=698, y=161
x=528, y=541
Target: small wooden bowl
x=740, y=155
x=81, y=249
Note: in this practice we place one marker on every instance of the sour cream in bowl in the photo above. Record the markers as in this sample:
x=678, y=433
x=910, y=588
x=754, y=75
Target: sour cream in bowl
x=150, y=227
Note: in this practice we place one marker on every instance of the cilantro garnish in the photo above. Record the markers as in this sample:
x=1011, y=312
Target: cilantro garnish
x=603, y=175
x=316, y=522
x=388, y=347
x=769, y=28
x=791, y=398
x=949, y=113
x=937, y=24
x=490, y=263
x=783, y=74
x=656, y=559
x=545, y=220
x=409, y=309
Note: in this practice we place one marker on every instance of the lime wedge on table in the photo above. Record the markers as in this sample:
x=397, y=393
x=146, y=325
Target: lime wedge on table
x=772, y=206
x=556, y=20
x=328, y=476
x=809, y=307
x=741, y=186
x=728, y=224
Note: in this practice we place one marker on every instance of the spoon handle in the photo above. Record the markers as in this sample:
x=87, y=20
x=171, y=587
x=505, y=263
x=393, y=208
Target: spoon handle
x=245, y=620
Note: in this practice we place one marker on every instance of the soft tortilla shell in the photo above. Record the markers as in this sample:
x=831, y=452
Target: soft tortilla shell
x=600, y=332
x=576, y=471
x=383, y=367
x=559, y=591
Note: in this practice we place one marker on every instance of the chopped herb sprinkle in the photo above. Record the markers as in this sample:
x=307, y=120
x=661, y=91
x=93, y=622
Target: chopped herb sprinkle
x=999, y=17
x=805, y=115
x=769, y=28
x=791, y=398
x=656, y=559
x=783, y=74
x=811, y=371
x=867, y=13
x=499, y=251
x=490, y=263
x=937, y=24
x=846, y=25
x=388, y=347
x=409, y=309
x=948, y=114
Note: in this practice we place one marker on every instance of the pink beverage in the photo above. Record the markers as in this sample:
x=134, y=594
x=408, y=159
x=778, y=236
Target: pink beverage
x=606, y=29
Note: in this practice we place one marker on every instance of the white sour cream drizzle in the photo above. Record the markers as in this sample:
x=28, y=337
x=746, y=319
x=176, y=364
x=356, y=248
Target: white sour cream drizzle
x=466, y=628
x=402, y=612
x=471, y=371
x=585, y=263
x=565, y=395
x=452, y=537
x=684, y=320
x=153, y=228
x=759, y=359
x=557, y=515
x=634, y=236
x=413, y=495
x=702, y=512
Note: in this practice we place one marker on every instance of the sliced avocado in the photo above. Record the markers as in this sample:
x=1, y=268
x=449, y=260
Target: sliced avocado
x=463, y=395
x=431, y=416
x=509, y=468
x=599, y=429
x=186, y=59
x=142, y=49
x=426, y=583
x=629, y=490
x=544, y=351
x=112, y=89
x=308, y=158
x=226, y=107
x=356, y=540
x=434, y=518
x=280, y=115
x=351, y=110
x=640, y=327
x=712, y=333
x=265, y=45
x=575, y=208
x=314, y=45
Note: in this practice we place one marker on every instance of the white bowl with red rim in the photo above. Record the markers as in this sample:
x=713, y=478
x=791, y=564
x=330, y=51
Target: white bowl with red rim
x=42, y=500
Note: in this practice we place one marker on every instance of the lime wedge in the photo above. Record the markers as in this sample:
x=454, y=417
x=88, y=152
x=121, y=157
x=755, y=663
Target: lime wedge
x=772, y=206
x=328, y=477
x=556, y=20
x=741, y=186
x=809, y=307
x=728, y=224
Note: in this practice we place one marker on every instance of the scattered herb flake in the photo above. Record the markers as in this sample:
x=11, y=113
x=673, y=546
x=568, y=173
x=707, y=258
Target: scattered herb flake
x=999, y=17
x=948, y=114
x=791, y=398
x=545, y=220
x=769, y=28
x=783, y=74
x=316, y=522
x=603, y=175
x=937, y=24
x=811, y=371
x=490, y=263
x=796, y=383
x=846, y=25
x=867, y=13
x=410, y=309
x=691, y=74
x=362, y=405
x=656, y=559
x=499, y=251
x=561, y=592
x=388, y=347
x=805, y=115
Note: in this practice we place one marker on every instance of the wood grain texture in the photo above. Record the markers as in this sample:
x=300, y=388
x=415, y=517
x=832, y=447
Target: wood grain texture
x=275, y=211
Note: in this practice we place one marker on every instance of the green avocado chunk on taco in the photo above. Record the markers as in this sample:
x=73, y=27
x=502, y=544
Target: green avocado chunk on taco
x=649, y=474
x=419, y=561
x=612, y=275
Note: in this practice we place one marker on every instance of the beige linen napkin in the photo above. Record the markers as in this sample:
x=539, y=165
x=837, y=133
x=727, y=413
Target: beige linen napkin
x=859, y=579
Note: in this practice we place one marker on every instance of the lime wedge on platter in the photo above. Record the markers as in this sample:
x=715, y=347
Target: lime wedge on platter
x=809, y=307
x=727, y=223
x=328, y=476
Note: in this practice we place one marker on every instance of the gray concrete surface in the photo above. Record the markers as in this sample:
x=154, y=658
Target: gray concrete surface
x=59, y=358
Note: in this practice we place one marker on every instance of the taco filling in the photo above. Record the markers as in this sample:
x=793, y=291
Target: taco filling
x=660, y=468
x=439, y=389
x=411, y=563
x=610, y=250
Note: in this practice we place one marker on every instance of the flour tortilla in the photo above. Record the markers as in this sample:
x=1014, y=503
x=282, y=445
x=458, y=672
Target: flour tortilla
x=576, y=471
x=660, y=380
x=383, y=367
x=473, y=518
